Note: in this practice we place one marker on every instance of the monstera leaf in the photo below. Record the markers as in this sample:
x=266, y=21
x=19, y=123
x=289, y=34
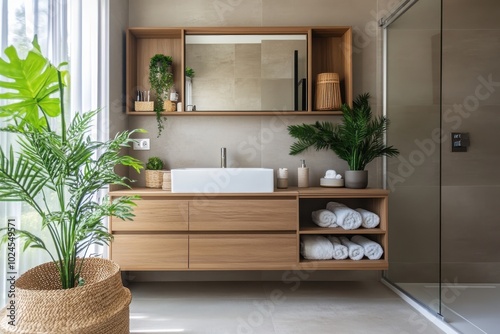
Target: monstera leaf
x=33, y=82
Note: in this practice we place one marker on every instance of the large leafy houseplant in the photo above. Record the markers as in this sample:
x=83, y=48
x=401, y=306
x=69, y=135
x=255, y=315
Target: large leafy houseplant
x=161, y=80
x=58, y=169
x=358, y=139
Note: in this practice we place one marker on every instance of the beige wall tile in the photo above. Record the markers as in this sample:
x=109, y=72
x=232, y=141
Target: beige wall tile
x=194, y=13
x=471, y=59
x=470, y=223
x=464, y=14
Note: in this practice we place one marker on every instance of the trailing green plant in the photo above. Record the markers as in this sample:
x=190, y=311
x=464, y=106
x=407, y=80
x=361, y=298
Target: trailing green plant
x=189, y=72
x=57, y=169
x=161, y=80
x=154, y=163
x=358, y=139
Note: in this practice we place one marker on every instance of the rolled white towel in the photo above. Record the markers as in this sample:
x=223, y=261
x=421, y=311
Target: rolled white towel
x=370, y=219
x=340, y=252
x=347, y=218
x=316, y=247
x=372, y=249
x=356, y=252
x=324, y=218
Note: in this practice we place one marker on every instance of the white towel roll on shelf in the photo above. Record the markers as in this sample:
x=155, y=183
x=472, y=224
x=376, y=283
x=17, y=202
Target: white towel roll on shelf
x=316, y=247
x=356, y=252
x=324, y=218
x=372, y=249
x=340, y=252
x=369, y=219
x=347, y=218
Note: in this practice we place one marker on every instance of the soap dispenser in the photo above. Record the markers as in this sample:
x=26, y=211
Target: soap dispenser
x=303, y=175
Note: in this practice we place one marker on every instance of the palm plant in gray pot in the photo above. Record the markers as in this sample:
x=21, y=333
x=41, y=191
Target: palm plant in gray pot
x=358, y=139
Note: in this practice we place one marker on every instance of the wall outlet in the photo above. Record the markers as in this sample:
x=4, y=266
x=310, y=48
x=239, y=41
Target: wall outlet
x=141, y=144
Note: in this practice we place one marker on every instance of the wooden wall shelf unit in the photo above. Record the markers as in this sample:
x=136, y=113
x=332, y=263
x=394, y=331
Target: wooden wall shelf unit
x=329, y=49
x=237, y=231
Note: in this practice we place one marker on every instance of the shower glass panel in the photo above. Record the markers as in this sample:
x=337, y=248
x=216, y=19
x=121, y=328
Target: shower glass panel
x=413, y=106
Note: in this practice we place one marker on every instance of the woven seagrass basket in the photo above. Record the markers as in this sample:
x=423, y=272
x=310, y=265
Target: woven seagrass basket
x=154, y=178
x=101, y=306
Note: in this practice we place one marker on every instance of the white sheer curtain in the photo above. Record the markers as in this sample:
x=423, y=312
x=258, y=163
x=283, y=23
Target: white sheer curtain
x=67, y=30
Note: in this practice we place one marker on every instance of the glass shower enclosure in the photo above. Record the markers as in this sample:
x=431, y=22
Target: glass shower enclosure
x=442, y=97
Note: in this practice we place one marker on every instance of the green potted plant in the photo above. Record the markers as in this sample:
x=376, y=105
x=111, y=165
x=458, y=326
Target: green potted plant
x=189, y=72
x=161, y=80
x=57, y=170
x=188, y=92
x=153, y=174
x=358, y=139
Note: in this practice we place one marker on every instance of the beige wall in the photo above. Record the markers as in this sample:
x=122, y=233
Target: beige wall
x=118, y=23
x=258, y=141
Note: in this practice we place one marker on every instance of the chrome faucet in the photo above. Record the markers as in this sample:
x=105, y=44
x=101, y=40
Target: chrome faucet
x=223, y=162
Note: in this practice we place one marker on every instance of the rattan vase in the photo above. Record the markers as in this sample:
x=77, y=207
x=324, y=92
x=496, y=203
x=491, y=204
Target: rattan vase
x=101, y=306
x=328, y=92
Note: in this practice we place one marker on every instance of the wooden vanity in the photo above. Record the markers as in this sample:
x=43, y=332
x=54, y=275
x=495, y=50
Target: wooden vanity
x=237, y=231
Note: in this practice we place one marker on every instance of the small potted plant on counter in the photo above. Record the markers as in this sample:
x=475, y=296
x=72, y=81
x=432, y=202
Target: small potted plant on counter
x=161, y=80
x=153, y=174
x=358, y=139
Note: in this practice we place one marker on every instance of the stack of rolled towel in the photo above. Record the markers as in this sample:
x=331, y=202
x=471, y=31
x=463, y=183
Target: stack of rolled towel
x=318, y=247
x=338, y=214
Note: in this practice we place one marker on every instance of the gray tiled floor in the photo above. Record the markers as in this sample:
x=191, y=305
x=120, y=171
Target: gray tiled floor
x=272, y=307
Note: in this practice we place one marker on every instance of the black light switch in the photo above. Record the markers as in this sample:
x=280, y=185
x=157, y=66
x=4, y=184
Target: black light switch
x=459, y=141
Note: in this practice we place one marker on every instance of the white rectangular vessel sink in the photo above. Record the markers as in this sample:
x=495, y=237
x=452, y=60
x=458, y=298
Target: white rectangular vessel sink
x=222, y=180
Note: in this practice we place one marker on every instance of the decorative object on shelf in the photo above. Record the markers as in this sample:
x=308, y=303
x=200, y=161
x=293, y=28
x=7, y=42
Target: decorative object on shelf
x=161, y=80
x=142, y=102
x=167, y=180
x=169, y=105
x=58, y=172
x=154, y=178
x=358, y=139
x=189, y=86
x=331, y=179
x=144, y=106
x=303, y=175
x=282, y=178
x=328, y=92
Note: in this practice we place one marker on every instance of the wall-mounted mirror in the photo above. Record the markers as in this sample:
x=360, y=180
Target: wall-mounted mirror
x=247, y=72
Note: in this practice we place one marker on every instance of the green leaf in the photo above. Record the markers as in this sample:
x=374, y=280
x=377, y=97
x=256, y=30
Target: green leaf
x=31, y=84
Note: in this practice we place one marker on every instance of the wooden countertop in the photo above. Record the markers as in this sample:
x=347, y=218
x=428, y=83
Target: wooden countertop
x=311, y=192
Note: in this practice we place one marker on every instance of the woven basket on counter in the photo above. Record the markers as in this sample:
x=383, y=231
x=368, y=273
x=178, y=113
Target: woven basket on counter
x=154, y=178
x=328, y=92
x=100, y=306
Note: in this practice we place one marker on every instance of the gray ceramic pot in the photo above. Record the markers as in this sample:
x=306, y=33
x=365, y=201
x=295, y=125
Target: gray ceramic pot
x=357, y=179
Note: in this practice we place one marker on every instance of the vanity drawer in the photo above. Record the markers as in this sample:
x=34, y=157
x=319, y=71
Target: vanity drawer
x=155, y=215
x=242, y=251
x=150, y=251
x=243, y=215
